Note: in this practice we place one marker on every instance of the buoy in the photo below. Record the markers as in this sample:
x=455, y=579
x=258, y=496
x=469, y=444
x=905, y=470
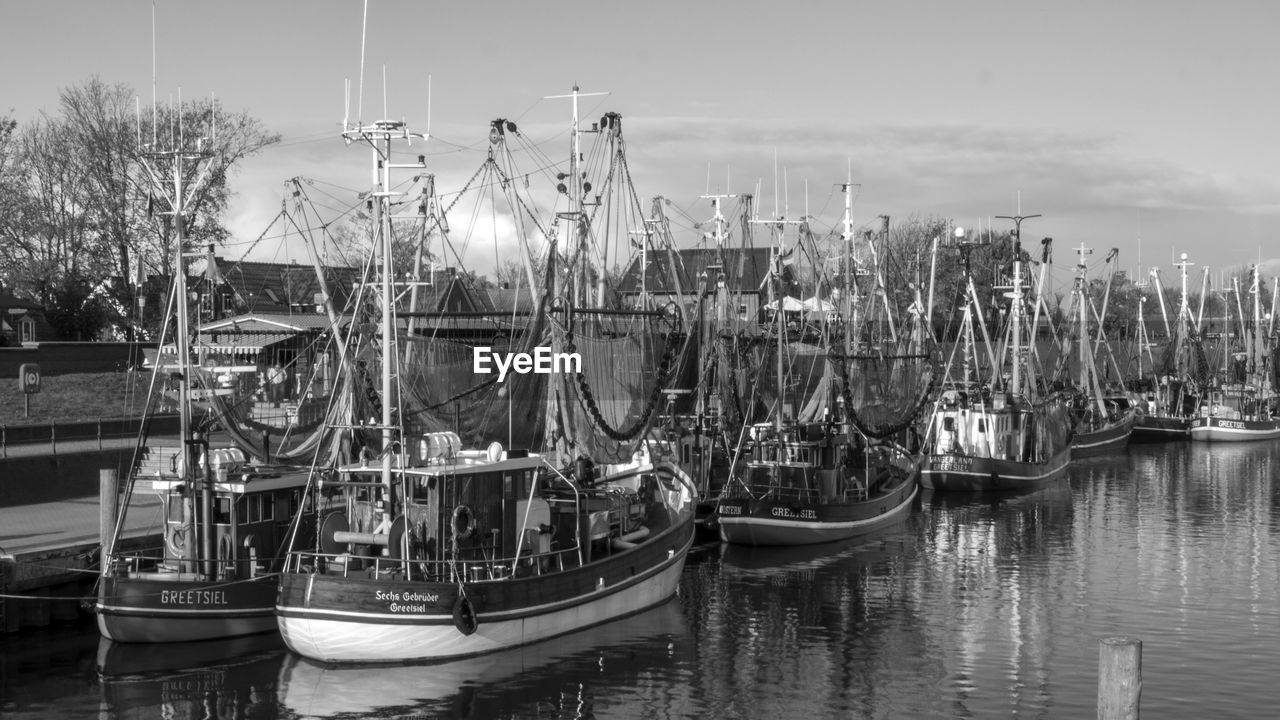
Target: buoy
x=464, y=616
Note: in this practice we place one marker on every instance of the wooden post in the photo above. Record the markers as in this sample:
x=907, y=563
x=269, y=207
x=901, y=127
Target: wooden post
x=1119, y=678
x=108, y=507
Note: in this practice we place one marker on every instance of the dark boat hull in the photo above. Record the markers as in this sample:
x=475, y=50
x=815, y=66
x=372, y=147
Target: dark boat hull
x=747, y=521
x=1109, y=438
x=1157, y=428
x=966, y=473
x=143, y=610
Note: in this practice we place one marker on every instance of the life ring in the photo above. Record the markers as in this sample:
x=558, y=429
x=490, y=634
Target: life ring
x=176, y=539
x=464, y=522
x=464, y=615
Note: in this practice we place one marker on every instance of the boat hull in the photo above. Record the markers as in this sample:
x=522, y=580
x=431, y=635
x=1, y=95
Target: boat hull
x=337, y=619
x=1215, y=429
x=1158, y=428
x=966, y=473
x=746, y=521
x=145, y=610
x=1109, y=438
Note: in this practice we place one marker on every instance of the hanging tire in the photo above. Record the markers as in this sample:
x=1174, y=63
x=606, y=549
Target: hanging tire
x=464, y=616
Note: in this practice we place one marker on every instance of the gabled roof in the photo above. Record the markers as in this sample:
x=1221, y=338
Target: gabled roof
x=274, y=287
x=744, y=269
x=267, y=323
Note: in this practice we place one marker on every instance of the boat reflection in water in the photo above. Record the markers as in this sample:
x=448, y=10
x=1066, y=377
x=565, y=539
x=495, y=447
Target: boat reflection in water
x=224, y=679
x=588, y=671
x=807, y=631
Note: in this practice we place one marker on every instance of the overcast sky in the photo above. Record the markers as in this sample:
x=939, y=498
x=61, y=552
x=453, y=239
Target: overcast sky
x=1148, y=126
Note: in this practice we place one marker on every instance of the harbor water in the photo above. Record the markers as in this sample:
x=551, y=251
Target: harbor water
x=972, y=607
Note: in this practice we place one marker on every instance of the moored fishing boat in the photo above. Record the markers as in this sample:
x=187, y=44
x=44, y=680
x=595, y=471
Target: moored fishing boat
x=832, y=470
x=432, y=552
x=225, y=518
x=1001, y=433
x=1169, y=398
x=1099, y=425
x=1243, y=405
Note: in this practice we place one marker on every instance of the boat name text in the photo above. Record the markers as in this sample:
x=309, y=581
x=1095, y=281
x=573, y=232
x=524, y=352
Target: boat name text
x=952, y=462
x=1232, y=424
x=193, y=597
x=803, y=513
x=542, y=361
x=396, y=600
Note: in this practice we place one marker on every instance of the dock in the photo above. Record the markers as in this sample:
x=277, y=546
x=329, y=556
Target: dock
x=49, y=557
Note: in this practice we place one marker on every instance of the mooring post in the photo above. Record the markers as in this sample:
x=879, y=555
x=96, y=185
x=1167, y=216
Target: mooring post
x=108, y=502
x=1119, y=678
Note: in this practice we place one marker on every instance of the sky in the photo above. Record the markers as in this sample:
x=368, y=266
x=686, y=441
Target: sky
x=1147, y=126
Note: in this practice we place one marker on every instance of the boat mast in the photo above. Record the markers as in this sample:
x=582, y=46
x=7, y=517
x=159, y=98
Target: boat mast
x=379, y=137
x=1015, y=296
x=573, y=188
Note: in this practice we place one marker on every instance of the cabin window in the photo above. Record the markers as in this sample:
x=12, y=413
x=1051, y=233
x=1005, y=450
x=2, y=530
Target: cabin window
x=982, y=425
x=254, y=512
x=949, y=424
x=222, y=511
x=421, y=490
x=175, y=508
x=206, y=305
x=268, y=507
x=245, y=509
x=27, y=330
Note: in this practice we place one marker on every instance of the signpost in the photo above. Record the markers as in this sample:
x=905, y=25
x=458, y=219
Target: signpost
x=28, y=382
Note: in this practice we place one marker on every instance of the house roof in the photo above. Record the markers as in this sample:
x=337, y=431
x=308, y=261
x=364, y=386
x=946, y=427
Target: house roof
x=744, y=269
x=274, y=287
x=267, y=323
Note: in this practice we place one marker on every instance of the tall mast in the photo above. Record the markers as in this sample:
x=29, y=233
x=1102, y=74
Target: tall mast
x=1016, y=301
x=177, y=157
x=573, y=188
x=379, y=137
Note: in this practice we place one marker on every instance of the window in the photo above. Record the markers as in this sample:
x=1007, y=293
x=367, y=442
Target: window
x=206, y=305
x=254, y=513
x=27, y=330
x=268, y=507
x=222, y=511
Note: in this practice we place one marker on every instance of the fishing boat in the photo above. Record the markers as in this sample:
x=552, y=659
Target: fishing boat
x=225, y=515
x=815, y=474
x=431, y=551
x=1169, y=397
x=1100, y=425
x=1004, y=431
x=1243, y=404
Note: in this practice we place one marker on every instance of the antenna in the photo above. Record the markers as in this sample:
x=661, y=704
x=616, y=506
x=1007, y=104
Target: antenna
x=384, y=93
x=154, y=119
x=364, y=29
x=346, y=106
x=428, y=133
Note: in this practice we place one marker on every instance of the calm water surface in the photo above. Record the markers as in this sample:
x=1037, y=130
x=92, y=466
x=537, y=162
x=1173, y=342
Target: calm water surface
x=980, y=608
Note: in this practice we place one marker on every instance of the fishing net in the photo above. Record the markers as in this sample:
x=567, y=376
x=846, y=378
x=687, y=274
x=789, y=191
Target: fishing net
x=884, y=393
x=602, y=410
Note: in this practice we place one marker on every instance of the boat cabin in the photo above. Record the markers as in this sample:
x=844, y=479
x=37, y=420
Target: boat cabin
x=479, y=514
x=253, y=506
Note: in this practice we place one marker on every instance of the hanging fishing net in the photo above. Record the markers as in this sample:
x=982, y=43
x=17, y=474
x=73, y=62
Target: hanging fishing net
x=602, y=408
x=884, y=393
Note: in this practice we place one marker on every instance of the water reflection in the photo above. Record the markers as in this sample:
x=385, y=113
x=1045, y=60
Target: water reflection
x=971, y=607
x=223, y=679
x=600, y=670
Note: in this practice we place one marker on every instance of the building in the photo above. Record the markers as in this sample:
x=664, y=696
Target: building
x=22, y=321
x=743, y=271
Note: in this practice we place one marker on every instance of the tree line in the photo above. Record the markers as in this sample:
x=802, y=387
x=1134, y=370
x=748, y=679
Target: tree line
x=80, y=218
